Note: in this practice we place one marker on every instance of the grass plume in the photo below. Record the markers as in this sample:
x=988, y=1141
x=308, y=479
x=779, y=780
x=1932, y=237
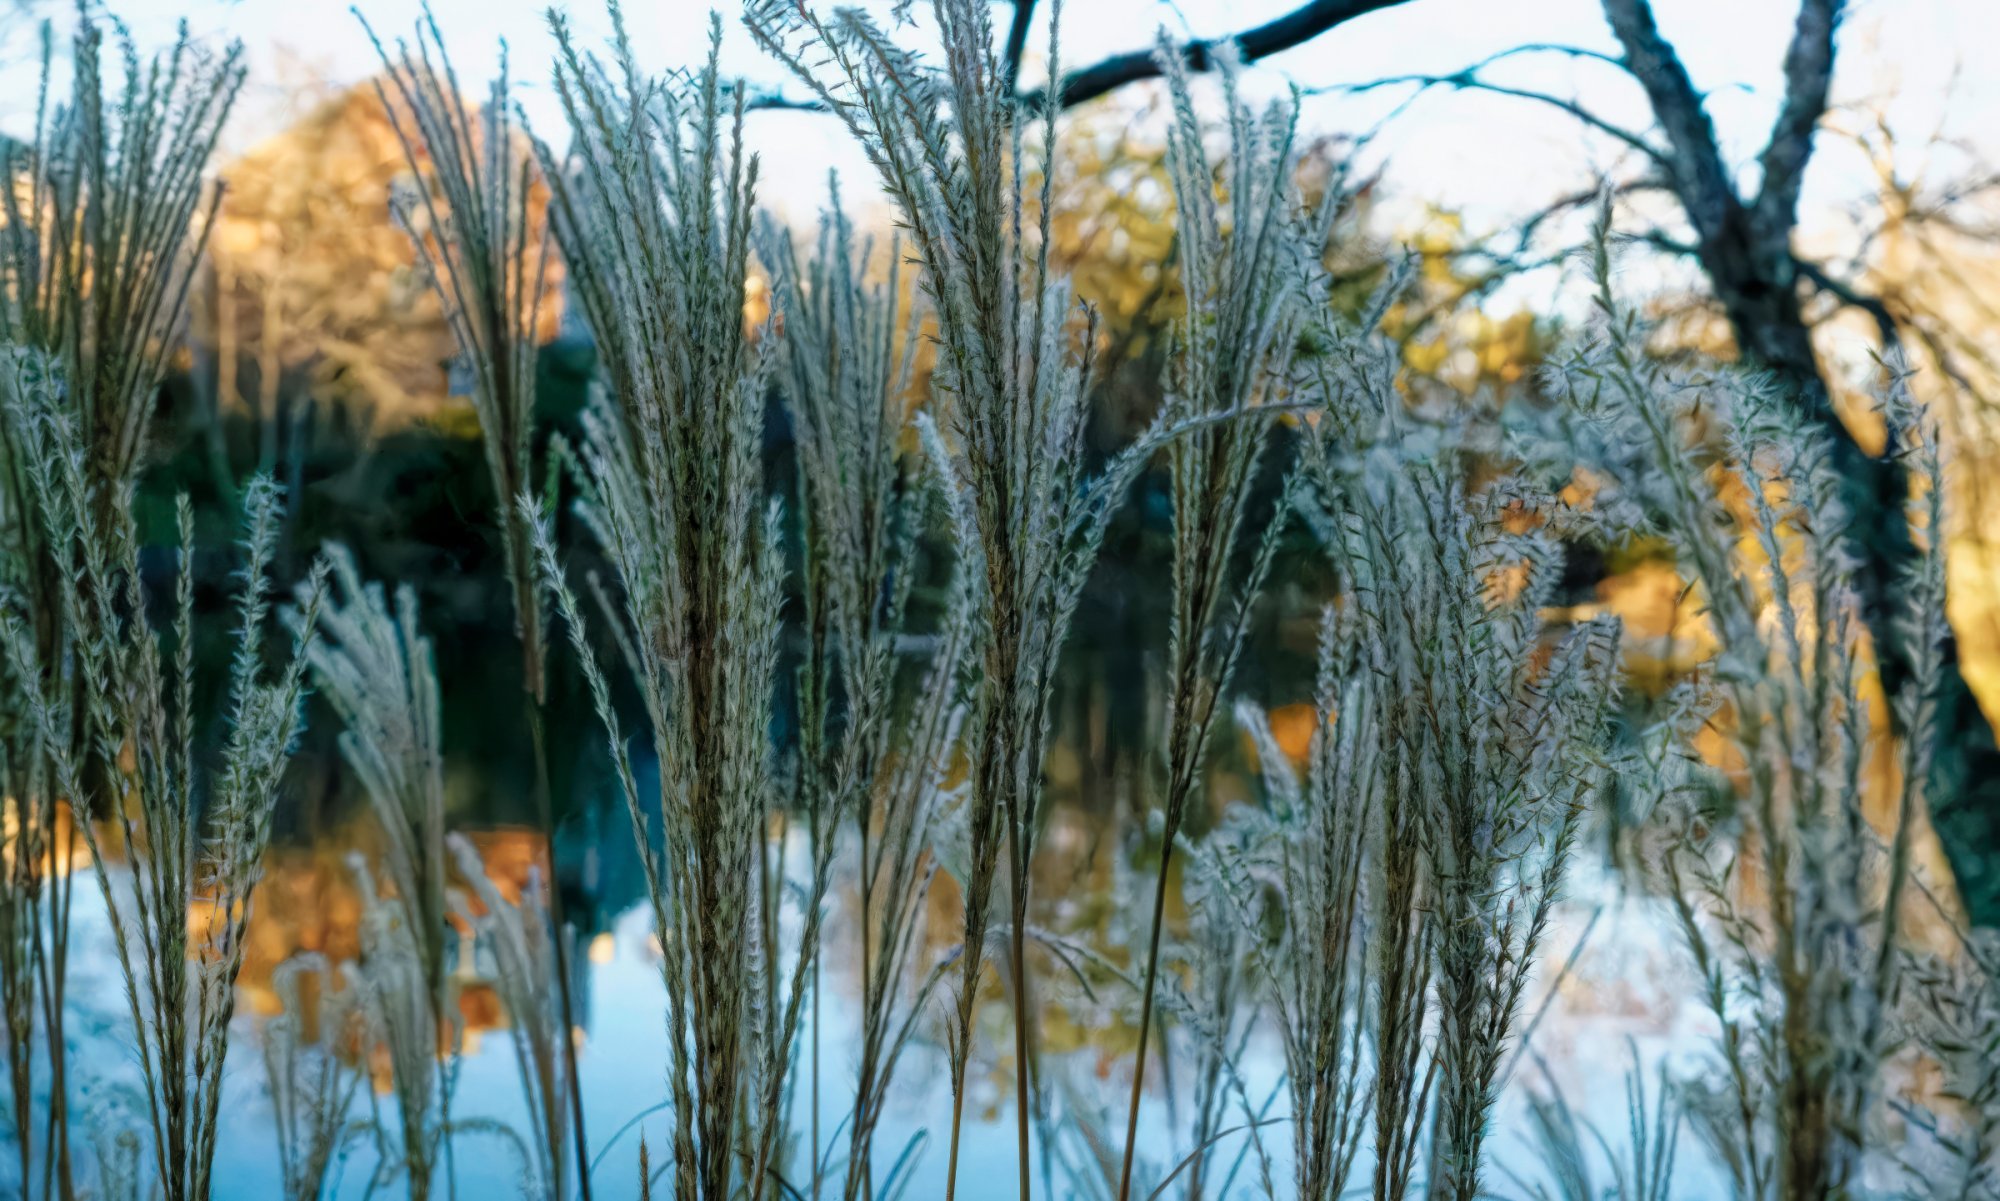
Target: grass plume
x=1012, y=376
x=655, y=223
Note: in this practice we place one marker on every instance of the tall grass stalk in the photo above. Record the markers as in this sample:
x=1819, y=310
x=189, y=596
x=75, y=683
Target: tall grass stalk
x=469, y=211
x=1354, y=381
x=193, y=841
x=314, y=1057
x=375, y=669
x=1245, y=269
x=654, y=222
x=1012, y=375
x=873, y=748
x=1495, y=730
x=106, y=214
x=485, y=248
x=1311, y=853
x=524, y=966
x=103, y=212
x=1221, y=1004
x=1953, y=1014
x=1514, y=749
x=1645, y=1169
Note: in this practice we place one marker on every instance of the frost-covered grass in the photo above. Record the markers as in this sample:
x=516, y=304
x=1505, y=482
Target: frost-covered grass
x=1347, y=1004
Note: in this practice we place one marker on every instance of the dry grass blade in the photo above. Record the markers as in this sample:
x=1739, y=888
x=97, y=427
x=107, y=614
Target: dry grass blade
x=655, y=222
x=1013, y=383
x=314, y=1080
x=103, y=213
x=518, y=936
x=194, y=842
x=1248, y=273
x=375, y=669
x=478, y=221
x=875, y=737
x=1804, y=985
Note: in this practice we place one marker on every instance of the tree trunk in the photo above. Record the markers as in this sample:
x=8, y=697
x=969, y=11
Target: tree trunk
x=1745, y=247
x=1755, y=282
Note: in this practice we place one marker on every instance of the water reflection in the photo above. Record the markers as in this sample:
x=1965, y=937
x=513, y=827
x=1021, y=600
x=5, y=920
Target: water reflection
x=1612, y=987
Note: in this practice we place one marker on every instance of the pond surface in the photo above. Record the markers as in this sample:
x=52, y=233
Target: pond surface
x=1612, y=993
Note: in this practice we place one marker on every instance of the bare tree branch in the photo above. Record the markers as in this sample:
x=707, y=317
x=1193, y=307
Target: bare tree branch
x=779, y=102
x=1700, y=177
x=1017, y=40
x=1847, y=294
x=1581, y=197
x=1302, y=24
x=1466, y=80
x=1808, y=75
x=1666, y=243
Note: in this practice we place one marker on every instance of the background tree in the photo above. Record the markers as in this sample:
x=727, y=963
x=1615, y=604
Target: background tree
x=1744, y=242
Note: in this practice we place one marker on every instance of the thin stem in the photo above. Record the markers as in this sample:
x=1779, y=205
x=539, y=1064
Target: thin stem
x=957, y=1120
x=1145, y=1020
x=543, y=814
x=1017, y=945
x=813, y=1163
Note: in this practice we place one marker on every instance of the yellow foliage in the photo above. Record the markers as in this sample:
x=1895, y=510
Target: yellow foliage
x=310, y=280
x=1446, y=336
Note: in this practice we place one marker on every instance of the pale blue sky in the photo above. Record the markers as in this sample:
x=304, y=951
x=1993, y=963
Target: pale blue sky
x=1490, y=157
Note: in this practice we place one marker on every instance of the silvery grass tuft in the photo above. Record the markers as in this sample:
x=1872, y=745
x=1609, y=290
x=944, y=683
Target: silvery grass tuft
x=315, y=1056
x=1642, y=1171
x=1012, y=376
x=468, y=209
x=1353, y=376
x=1509, y=739
x=1307, y=846
x=654, y=220
x=1803, y=980
x=875, y=736
x=194, y=841
x=106, y=212
x=420, y=1049
x=1248, y=269
x=517, y=935
x=1216, y=998
x=103, y=212
x=374, y=667
x=483, y=241
x=1953, y=1149
x=36, y=843
x=1493, y=738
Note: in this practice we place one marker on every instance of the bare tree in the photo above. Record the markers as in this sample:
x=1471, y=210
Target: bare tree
x=1294, y=28
x=1742, y=241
